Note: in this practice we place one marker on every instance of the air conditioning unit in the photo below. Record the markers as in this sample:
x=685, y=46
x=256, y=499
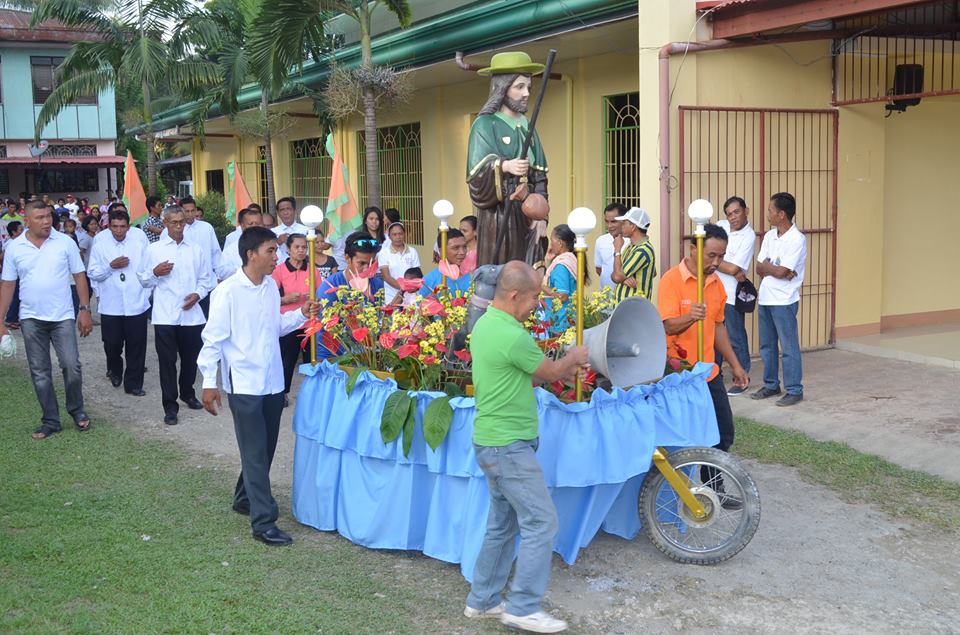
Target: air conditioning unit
x=907, y=80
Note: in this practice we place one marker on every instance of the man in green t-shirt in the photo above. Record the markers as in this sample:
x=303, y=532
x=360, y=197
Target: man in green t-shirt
x=506, y=361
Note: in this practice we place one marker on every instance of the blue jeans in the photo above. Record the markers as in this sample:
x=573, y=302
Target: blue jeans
x=519, y=503
x=38, y=335
x=778, y=330
x=737, y=330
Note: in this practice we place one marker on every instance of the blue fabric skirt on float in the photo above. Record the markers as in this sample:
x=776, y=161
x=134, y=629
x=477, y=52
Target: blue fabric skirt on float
x=594, y=457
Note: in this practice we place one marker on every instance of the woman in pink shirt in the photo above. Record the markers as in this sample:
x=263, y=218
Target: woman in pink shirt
x=292, y=280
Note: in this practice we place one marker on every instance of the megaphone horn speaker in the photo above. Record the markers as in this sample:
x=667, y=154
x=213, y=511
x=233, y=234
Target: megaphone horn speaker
x=630, y=348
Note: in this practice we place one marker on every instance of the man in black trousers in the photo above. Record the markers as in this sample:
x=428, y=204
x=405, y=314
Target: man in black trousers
x=242, y=338
x=124, y=303
x=177, y=270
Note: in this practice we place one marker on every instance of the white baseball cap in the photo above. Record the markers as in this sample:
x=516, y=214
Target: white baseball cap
x=636, y=216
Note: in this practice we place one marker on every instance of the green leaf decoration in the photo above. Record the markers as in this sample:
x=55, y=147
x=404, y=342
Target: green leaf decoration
x=452, y=389
x=408, y=428
x=352, y=379
x=436, y=421
x=395, y=414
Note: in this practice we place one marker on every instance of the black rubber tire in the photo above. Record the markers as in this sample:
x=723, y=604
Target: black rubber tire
x=731, y=468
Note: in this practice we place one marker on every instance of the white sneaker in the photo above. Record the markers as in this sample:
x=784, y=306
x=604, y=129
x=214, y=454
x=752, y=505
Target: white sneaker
x=477, y=614
x=539, y=622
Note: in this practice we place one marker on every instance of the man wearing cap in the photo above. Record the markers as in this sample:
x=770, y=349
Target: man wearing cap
x=634, y=267
x=494, y=169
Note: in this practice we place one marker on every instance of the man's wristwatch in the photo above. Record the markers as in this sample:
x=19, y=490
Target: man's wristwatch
x=84, y=307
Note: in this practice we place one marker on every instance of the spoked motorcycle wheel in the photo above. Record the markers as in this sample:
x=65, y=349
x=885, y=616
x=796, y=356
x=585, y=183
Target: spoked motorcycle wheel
x=724, y=488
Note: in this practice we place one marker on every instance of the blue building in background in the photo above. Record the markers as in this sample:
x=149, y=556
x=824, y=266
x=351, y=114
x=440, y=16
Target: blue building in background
x=80, y=156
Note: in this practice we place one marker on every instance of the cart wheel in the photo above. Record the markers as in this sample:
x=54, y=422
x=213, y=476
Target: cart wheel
x=728, y=494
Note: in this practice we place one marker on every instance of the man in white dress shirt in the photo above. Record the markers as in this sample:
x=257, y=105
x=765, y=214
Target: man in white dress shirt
x=231, y=263
x=781, y=262
x=177, y=270
x=200, y=232
x=45, y=262
x=124, y=302
x=287, y=224
x=603, y=249
x=741, y=244
x=242, y=339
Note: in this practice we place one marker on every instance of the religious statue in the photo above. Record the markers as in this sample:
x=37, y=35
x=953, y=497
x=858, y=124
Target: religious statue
x=508, y=193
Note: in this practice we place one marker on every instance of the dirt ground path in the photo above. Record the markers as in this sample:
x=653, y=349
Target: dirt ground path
x=817, y=564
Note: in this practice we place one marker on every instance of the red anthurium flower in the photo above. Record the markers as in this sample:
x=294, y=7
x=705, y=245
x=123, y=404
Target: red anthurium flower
x=674, y=363
x=310, y=327
x=332, y=322
x=407, y=350
x=389, y=308
x=387, y=340
x=682, y=352
x=432, y=306
x=442, y=347
x=450, y=271
x=569, y=395
x=330, y=342
x=463, y=356
x=411, y=285
x=557, y=387
x=360, y=334
x=353, y=322
x=460, y=301
x=429, y=359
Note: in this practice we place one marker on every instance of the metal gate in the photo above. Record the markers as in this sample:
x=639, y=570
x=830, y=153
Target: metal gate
x=754, y=153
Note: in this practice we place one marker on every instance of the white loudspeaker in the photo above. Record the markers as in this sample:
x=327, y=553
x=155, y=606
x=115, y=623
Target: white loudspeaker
x=630, y=348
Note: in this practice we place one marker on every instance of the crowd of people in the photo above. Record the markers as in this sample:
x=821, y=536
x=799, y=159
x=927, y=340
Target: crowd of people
x=239, y=311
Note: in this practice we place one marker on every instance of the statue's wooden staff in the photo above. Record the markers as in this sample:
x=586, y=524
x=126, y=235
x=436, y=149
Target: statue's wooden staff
x=534, y=209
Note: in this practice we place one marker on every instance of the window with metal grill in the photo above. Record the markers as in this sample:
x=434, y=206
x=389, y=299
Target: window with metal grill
x=310, y=172
x=46, y=76
x=215, y=181
x=621, y=149
x=401, y=176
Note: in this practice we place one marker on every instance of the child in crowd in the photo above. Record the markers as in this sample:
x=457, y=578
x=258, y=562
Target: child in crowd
x=409, y=297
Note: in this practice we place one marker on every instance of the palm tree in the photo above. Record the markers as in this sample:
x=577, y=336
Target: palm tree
x=134, y=47
x=219, y=33
x=287, y=29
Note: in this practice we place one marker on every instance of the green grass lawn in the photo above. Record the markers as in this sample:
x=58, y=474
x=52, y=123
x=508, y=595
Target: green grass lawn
x=857, y=477
x=102, y=532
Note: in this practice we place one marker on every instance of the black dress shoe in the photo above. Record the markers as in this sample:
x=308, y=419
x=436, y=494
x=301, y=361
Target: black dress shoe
x=242, y=508
x=136, y=392
x=193, y=403
x=170, y=420
x=116, y=381
x=275, y=537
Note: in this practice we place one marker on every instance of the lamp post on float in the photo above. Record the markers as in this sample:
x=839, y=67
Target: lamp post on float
x=700, y=212
x=312, y=216
x=443, y=210
x=581, y=221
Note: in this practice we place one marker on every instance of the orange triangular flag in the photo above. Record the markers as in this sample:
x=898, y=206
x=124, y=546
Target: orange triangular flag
x=133, y=196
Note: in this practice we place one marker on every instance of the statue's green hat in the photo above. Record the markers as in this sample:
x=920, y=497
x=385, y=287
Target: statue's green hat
x=511, y=62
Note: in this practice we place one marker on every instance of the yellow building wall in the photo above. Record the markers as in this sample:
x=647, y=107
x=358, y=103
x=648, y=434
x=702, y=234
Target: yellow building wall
x=445, y=114
x=919, y=201
x=860, y=230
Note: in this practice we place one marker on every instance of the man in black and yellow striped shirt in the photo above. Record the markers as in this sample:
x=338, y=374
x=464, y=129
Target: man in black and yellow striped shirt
x=635, y=268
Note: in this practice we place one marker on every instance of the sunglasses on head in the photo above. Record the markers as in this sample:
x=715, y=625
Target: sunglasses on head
x=367, y=242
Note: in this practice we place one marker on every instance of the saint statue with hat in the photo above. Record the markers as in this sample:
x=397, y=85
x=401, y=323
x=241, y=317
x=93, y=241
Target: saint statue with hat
x=508, y=193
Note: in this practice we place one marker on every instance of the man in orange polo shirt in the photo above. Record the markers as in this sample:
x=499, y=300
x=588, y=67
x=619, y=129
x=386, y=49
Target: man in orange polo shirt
x=677, y=302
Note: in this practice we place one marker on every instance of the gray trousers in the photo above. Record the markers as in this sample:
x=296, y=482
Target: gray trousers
x=256, y=420
x=37, y=337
